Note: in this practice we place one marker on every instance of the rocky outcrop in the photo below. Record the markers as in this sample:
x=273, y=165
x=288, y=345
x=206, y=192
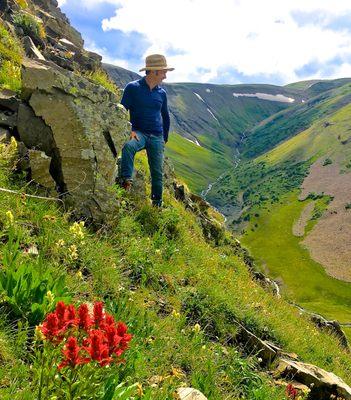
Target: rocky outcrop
x=333, y=327
x=56, y=40
x=74, y=130
x=322, y=384
x=212, y=229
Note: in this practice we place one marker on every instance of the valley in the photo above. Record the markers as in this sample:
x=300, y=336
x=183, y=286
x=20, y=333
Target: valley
x=276, y=162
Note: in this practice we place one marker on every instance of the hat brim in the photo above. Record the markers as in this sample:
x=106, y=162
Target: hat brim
x=156, y=69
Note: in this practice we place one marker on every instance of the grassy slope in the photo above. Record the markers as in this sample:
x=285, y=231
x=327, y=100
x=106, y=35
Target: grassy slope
x=149, y=264
x=280, y=254
x=196, y=166
x=305, y=280
x=289, y=122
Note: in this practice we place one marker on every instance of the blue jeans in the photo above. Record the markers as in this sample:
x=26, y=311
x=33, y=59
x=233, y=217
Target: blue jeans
x=154, y=146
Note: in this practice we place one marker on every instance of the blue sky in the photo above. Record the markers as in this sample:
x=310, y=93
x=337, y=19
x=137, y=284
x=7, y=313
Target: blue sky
x=227, y=41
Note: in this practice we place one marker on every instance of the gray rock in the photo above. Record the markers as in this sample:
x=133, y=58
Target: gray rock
x=323, y=384
x=212, y=229
x=8, y=119
x=188, y=393
x=66, y=44
x=266, y=283
x=332, y=327
x=264, y=350
x=33, y=131
x=31, y=50
x=4, y=135
x=88, y=60
x=40, y=166
x=88, y=128
x=57, y=24
x=9, y=100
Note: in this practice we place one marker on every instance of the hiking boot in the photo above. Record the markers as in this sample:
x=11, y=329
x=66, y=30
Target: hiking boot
x=127, y=185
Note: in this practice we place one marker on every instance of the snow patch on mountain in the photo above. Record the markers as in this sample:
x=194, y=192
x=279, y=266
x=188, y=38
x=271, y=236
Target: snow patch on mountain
x=199, y=97
x=267, y=96
x=212, y=114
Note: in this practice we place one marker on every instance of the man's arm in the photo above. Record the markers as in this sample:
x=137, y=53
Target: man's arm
x=165, y=118
x=127, y=103
x=127, y=97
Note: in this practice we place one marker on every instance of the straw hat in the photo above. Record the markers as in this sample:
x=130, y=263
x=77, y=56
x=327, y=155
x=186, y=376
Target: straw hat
x=155, y=62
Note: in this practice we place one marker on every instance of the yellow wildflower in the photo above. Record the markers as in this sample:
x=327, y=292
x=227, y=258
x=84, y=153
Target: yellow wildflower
x=73, y=252
x=50, y=296
x=77, y=230
x=175, y=314
x=38, y=334
x=60, y=243
x=10, y=219
x=140, y=389
x=196, y=328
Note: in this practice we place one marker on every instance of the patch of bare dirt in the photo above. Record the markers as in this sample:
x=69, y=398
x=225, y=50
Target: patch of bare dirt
x=329, y=242
x=299, y=226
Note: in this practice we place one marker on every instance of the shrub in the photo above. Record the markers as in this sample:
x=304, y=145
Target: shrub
x=31, y=26
x=348, y=206
x=216, y=319
x=101, y=78
x=327, y=161
x=27, y=290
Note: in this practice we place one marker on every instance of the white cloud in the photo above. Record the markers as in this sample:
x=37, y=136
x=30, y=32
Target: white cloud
x=252, y=37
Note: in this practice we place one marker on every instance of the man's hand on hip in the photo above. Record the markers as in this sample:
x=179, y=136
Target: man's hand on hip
x=133, y=135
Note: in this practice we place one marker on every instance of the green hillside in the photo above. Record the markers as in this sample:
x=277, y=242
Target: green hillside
x=288, y=123
x=265, y=192
x=154, y=271
x=197, y=166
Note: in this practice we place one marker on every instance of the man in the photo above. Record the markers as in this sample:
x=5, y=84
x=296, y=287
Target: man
x=146, y=102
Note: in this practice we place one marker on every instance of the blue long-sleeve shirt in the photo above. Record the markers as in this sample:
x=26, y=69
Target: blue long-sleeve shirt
x=148, y=108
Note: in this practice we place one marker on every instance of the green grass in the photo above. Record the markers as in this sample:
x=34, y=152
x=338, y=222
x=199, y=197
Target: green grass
x=279, y=253
x=196, y=166
x=155, y=271
x=11, y=53
x=100, y=77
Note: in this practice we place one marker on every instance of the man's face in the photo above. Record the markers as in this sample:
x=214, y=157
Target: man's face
x=161, y=75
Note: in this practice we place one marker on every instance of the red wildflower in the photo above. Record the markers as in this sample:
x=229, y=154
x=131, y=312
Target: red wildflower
x=71, y=354
x=109, y=320
x=84, y=317
x=50, y=326
x=98, y=348
x=125, y=337
x=291, y=392
x=121, y=328
x=61, y=313
x=113, y=339
x=70, y=316
x=98, y=313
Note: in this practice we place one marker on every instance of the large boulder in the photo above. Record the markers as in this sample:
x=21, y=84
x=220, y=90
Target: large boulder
x=81, y=126
x=323, y=384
